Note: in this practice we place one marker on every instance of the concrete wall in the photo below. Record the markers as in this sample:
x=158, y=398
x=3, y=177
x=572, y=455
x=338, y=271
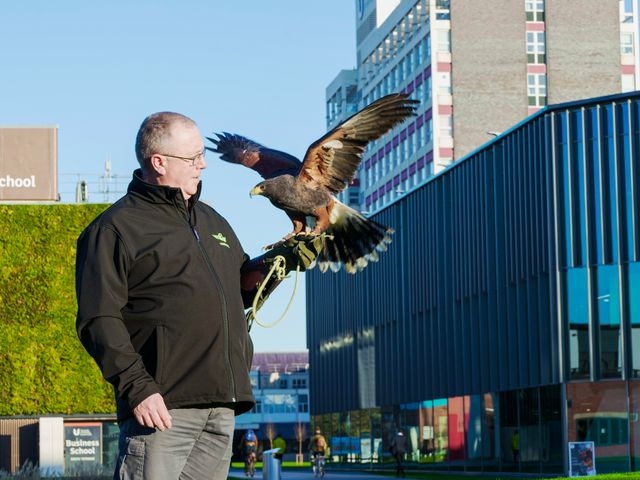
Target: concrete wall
x=583, y=49
x=488, y=50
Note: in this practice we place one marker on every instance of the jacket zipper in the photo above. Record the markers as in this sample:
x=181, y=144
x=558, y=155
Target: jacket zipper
x=223, y=302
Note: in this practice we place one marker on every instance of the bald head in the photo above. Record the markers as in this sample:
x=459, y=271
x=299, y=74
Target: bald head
x=155, y=132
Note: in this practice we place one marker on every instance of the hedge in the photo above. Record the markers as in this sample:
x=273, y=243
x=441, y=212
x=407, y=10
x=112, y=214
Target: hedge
x=43, y=367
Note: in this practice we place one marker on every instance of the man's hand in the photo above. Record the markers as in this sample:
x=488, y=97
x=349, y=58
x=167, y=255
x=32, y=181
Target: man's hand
x=153, y=413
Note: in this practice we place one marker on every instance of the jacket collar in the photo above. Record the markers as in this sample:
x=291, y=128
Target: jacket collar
x=160, y=193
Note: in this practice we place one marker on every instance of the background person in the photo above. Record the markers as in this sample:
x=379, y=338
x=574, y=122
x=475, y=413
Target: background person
x=318, y=451
x=515, y=445
x=249, y=448
x=398, y=450
x=280, y=443
x=162, y=282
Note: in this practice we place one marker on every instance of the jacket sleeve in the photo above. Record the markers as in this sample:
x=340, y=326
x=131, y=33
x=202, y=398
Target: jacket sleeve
x=101, y=291
x=252, y=274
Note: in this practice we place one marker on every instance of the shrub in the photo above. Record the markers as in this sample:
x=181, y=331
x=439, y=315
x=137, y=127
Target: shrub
x=43, y=367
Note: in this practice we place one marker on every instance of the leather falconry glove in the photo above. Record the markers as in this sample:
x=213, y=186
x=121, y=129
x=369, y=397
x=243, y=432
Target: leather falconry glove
x=300, y=251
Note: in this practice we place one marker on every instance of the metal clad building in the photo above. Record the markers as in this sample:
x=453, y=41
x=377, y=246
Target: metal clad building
x=507, y=302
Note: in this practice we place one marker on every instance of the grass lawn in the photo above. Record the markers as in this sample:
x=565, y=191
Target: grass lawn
x=427, y=475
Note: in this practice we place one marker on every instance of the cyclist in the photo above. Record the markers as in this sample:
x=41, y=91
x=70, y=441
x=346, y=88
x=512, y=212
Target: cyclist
x=318, y=451
x=249, y=450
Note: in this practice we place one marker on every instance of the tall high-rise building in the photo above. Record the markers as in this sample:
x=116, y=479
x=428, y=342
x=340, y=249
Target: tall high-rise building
x=478, y=68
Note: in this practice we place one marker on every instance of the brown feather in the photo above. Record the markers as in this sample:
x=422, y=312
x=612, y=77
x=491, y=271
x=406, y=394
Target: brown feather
x=332, y=161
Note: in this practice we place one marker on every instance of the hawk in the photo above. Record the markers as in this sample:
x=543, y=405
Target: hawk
x=307, y=190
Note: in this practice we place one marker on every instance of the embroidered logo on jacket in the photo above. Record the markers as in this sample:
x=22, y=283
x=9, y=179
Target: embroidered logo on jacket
x=222, y=240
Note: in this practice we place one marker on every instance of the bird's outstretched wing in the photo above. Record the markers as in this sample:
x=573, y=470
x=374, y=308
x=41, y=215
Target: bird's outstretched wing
x=331, y=162
x=267, y=162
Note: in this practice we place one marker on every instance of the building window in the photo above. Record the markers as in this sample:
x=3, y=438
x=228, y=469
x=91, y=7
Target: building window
x=394, y=159
x=442, y=10
x=404, y=70
x=444, y=41
x=535, y=47
x=626, y=43
x=537, y=89
x=446, y=126
x=627, y=11
x=609, y=320
x=633, y=292
x=303, y=403
x=534, y=10
x=424, y=50
x=444, y=87
x=604, y=429
x=354, y=199
x=279, y=403
x=302, y=382
x=422, y=135
x=413, y=60
x=410, y=148
x=577, y=311
x=419, y=91
x=628, y=83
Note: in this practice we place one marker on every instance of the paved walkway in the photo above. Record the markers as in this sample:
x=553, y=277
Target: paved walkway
x=300, y=474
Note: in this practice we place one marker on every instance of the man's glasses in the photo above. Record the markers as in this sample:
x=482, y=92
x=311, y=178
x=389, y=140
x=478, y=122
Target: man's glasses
x=191, y=160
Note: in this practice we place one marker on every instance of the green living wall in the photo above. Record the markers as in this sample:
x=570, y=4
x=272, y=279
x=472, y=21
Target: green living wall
x=43, y=367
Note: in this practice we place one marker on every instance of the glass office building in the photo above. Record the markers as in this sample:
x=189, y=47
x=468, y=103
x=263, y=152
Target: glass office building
x=509, y=301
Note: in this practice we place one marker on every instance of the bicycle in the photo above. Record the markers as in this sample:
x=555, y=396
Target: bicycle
x=317, y=463
x=250, y=464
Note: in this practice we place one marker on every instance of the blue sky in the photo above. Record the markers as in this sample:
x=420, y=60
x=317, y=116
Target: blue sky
x=254, y=67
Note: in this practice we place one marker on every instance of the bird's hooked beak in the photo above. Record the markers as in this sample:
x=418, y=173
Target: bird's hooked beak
x=257, y=190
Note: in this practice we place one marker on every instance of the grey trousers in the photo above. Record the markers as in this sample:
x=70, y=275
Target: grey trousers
x=197, y=446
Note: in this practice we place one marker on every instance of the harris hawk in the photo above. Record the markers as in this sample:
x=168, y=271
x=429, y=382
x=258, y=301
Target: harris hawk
x=307, y=190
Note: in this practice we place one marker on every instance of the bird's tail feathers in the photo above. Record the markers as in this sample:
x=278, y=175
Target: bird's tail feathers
x=352, y=240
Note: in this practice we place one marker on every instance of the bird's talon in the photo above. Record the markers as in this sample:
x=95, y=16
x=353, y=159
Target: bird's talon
x=304, y=235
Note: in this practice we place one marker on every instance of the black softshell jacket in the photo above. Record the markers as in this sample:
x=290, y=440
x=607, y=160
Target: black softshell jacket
x=159, y=301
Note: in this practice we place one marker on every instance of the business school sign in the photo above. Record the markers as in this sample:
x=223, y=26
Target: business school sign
x=28, y=163
x=82, y=445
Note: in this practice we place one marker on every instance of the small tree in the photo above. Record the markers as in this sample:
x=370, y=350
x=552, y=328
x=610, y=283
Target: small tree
x=301, y=435
x=270, y=432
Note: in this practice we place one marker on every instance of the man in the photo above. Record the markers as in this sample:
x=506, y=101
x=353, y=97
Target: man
x=398, y=449
x=162, y=282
